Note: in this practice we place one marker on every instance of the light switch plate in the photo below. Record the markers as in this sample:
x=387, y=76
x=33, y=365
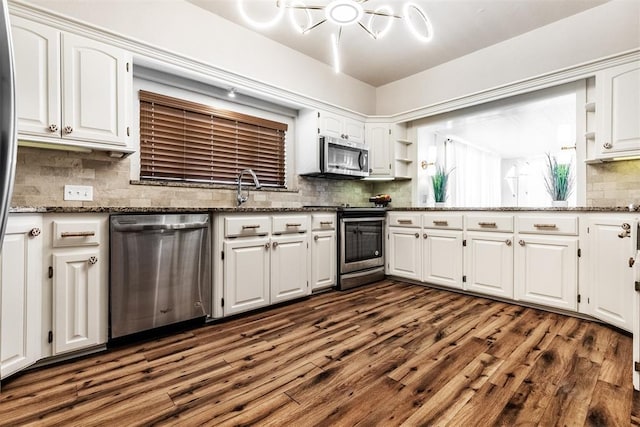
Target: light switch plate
x=78, y=192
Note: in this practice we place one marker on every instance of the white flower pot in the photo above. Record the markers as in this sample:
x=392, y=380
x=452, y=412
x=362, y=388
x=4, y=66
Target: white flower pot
x=440, y=204
x=559, y=203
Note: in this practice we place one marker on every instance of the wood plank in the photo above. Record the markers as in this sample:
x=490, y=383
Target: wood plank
x=386, y=354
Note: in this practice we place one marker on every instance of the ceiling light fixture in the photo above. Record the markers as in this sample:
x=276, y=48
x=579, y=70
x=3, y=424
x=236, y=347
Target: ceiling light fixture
x=345, y=13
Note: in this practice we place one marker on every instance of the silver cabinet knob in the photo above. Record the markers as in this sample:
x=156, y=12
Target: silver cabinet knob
x=267, y=245
x=316, y=238
x=607, y=146
x=425, y=235
x=92, y=260
x=275, y=245
x=35, y=232
x=417, y=235
x=508, y=242
x=521, y=242
x=53, y=128
x=68, y=129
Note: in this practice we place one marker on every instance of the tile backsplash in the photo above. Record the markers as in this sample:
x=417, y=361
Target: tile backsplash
x=613, y=183
x=41, y=175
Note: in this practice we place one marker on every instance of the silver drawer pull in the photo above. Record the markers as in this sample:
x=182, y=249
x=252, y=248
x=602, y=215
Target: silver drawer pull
x=405, y=221
x=326, y=222
x=78, y=234
x=545, y=226
x=294, y=225
x=250, y=227
x=487, y=224
x=440, y=222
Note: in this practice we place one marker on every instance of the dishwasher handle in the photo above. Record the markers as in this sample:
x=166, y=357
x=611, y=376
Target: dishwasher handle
x=136, y=228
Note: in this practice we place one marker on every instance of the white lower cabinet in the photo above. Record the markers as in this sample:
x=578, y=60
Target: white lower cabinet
x=611, y=273
x=79, y=264
x=265, y=260
x=246, y=274
x=21, y=286
x=289, y=267
x=442, y=257
x=404, y=257
x=489, y=263
x=76, y=301
x=546, y=271
x=324, y=257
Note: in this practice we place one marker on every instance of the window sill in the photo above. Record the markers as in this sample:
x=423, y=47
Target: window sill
x=181, y=184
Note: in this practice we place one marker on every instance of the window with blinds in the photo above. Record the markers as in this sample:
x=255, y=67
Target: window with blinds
x=186, y=141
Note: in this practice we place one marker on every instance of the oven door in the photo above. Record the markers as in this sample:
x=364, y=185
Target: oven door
x=362, y=244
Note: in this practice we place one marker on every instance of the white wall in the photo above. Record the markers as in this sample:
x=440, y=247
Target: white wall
x=605, y=30
x=185, y=29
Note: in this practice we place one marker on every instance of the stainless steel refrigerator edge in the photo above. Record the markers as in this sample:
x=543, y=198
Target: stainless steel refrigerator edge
x=8, y=142
x=160, y=271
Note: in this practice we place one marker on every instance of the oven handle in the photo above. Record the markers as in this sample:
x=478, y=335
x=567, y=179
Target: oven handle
x=362, y=219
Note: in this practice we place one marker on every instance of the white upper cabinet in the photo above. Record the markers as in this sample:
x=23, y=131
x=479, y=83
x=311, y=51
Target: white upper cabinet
x=378, y=139
x=618, y=111
x=37, y=64
x=70, y=90
x=337, y=126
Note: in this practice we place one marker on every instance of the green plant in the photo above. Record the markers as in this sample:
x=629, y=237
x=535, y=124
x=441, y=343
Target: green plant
x=439, y=181
x=559, y=179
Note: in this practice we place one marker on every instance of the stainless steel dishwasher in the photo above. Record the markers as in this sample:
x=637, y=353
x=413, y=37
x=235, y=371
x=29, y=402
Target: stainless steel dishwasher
x=160, y=271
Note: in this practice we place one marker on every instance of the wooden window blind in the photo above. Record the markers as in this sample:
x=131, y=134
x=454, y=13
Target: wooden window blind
x=186, y=141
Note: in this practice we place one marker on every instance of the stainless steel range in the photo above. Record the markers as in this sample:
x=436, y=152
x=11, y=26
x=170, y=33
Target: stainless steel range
x=360, y=246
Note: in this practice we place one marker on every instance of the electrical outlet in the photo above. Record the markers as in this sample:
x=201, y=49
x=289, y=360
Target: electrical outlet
x=78, y=192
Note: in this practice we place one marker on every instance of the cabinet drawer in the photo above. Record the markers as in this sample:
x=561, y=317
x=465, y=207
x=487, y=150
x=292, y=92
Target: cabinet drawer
x=323, y=221
x=442, y=220
x=290, y=224
x=490, y=223
x=75, y=233
x=246, y=226
x=567, y=225
x=400, y=219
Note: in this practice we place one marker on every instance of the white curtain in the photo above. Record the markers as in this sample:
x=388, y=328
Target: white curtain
x=476, y=179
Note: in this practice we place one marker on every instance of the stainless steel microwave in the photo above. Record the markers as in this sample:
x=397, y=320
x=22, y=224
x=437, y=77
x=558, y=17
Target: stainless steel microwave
x=340, y=158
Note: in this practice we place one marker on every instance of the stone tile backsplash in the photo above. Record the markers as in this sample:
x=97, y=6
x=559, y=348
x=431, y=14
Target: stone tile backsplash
x=42, y=174
x=613, y=183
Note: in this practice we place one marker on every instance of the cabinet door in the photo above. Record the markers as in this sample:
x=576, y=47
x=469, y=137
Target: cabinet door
x=21, y=286
x=289, y=267
x=76, y=300
x=323, y=259
x=442, y=258
x=378, y=140
x=611, y=277
x=94, y=90
x=330, y=125
x=246, y=275
x=354, y=130
x=489, y=264
x=404, y=256
x=618, y=109
x=546, y=271
x=36, y=50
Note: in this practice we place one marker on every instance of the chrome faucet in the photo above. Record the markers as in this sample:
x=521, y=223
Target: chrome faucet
x=243, y=198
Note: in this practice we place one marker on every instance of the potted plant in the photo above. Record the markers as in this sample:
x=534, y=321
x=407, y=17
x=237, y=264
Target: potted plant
x=558, y=181
x=439, y=181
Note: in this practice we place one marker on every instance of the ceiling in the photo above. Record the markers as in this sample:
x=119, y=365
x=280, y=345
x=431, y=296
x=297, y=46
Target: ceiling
x=460, y=27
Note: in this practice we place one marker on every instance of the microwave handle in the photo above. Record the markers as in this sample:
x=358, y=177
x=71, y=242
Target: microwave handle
x=360, y=165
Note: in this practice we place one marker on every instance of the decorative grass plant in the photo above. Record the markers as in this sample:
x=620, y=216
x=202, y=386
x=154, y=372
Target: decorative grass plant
x=559, y=179
x=439, y=181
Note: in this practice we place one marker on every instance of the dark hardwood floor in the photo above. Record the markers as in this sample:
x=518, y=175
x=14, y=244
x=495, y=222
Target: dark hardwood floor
x=386, y=354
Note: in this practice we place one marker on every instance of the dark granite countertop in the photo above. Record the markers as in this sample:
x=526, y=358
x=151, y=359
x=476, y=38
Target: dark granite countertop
x=134, y=210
